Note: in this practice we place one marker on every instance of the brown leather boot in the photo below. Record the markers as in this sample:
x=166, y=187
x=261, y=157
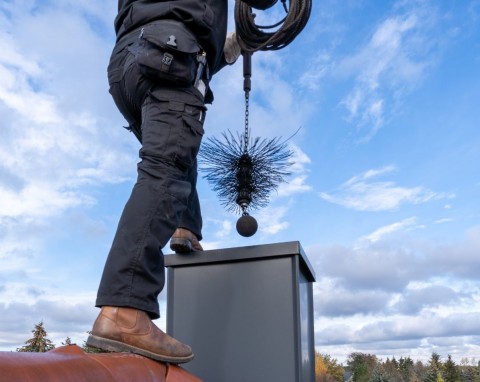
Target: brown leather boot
x=184, y=241
x=131, y=330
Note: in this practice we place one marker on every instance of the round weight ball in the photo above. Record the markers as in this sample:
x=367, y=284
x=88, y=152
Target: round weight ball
x=247, y=226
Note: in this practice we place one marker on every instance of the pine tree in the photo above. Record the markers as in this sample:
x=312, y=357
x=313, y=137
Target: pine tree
x=378, y=376
x=433, y=374
x=390, y=370
x=435, y=361
x=468, y=373
x=39, y=342
x=405, y=366
x=68, y=341
x=420, y=371
x=450, y=371
x=395, y=362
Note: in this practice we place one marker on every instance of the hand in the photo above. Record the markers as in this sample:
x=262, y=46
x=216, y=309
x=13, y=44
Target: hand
x=231, y=50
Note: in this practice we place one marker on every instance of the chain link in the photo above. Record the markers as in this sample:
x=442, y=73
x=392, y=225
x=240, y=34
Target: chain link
x=247, y=114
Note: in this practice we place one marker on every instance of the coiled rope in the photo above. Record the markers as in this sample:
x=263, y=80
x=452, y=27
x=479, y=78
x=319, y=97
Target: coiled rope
x=253, y=37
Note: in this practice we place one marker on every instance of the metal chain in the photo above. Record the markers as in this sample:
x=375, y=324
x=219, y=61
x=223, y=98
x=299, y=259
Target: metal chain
x=247, y=114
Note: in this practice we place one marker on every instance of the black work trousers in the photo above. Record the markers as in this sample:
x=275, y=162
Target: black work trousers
x=164, y=197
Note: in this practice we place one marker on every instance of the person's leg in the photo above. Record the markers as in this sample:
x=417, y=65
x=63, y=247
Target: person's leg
x=186, y=237
x=134, y=272
x=192, y=216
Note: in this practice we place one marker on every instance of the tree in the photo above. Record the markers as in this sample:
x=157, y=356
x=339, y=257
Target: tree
x=419, y=371
x=379, y=376
x=327, y=369
x=468, y=374
x=362, y=366
x=405, y=366
x=433, y=374
x=320, y=365
x=435, y=361
x=450, y=371
x=391, y=370
x=39, y=342
x=68, y=341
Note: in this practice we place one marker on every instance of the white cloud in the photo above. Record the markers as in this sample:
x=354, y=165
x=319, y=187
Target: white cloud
x=271, y=220
x=294, y=186
x=61, y=141
x=396, y=260
x=61, y=319
x=38, y=200
x=387, y=67
x=360, y=194
x=50, y=146
x=430, y=297
x=443, y=220
x=381, y=232
x=299, y=173
x=332, y=300
x=318, y=69
x=403, y=328
x=398, y=295
x=224, y=230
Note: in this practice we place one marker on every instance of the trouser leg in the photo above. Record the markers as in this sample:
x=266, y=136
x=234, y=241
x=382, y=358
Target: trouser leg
x=134, y=272
x=171, y=134
x=191, y=217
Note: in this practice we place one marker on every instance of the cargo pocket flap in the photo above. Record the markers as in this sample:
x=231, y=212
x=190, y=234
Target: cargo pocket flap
x=171, y=36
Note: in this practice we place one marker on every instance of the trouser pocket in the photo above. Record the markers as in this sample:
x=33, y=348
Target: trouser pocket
x=167, y=52
x=172, y=131
x=128, y=88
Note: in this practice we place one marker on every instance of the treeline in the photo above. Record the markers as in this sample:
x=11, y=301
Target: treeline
x=362, y=367
x=40, y=342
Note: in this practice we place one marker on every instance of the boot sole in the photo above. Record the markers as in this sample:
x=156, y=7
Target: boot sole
x=120, y=347
x=181, y=245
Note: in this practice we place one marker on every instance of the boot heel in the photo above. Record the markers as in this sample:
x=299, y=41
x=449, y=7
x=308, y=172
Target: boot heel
x=181, y=245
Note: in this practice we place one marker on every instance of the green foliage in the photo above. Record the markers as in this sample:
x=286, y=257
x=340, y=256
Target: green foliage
x=450, y=371
x=91, y=349
x=39, y=342
x=435, y=362
x=391, y=370
x=362, y=366
x=379, y=376
x=433, y=374
x=469, y=373
x=406, y=369
x=327, y=369
x=367, y=368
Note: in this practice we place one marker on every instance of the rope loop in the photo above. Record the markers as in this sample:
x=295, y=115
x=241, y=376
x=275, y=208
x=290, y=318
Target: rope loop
x=253, y=37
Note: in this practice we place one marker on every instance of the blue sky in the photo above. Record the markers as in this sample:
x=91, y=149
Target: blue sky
x=383, y=196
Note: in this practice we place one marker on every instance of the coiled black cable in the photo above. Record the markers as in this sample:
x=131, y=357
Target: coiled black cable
x=253, y=37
